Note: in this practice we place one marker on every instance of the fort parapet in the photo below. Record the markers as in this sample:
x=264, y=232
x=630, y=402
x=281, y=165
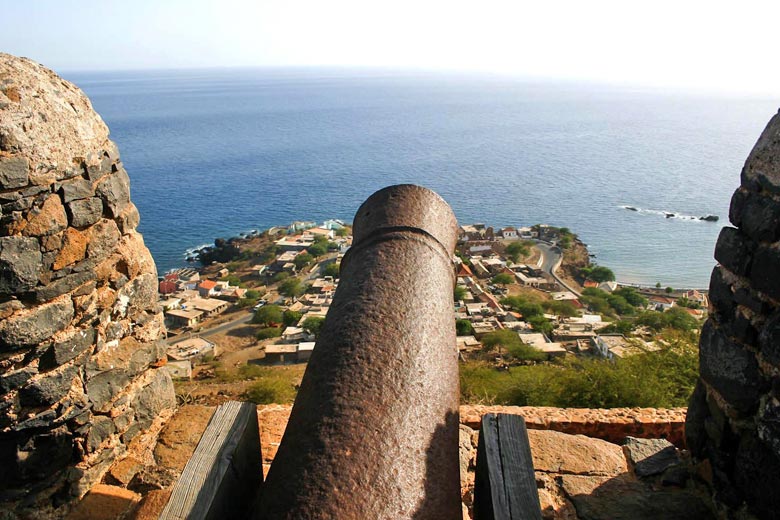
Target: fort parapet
x=80, y=329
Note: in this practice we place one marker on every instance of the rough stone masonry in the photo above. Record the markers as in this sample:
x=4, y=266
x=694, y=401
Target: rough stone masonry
x=80, y=329
x=734, y=415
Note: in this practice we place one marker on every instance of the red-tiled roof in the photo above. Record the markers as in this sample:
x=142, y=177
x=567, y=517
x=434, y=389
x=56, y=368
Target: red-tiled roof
x=207, y=284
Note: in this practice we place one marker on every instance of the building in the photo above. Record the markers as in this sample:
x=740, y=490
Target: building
x=191, y=349
x=327, y=233
x=334, y=224
x=182, y=318
x=208, y=306
x=509, y=233
x=281, y=353
x=305, y=348
x=167, y=287
x=294, y=243
x=207, y=288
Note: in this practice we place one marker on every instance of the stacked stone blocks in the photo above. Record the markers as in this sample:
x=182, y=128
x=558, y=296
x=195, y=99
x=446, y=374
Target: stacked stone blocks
x=81, y=335
x=734, y=415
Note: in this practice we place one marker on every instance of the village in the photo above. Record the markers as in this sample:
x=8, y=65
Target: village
x=517, y=289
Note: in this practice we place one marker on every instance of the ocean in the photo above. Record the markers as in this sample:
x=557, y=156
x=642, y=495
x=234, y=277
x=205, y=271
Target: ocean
x=213, y=153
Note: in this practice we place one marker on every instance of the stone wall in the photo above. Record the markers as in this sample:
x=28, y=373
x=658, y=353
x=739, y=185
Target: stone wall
x=80, y=330
x=733, y=421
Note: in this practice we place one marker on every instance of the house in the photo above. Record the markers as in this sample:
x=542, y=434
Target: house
x=509, y=233
x=259, y=269
x=305, y=348
x=191, y=349
x=294, y=334
x=294, y=243
x=608, y=286
x=696, y=296
x=540, y=342
x=170, y=304
x=281, y=353
x=167, y=287
x=464, y=270
x=468, y=344
x=327, y=233
x=208, y=306
x=527, y=233
x=179, y=369
x=222, y=273
x=207, y=288
x=661, y=303
x=333, y=224
x=181, y=318
x=298, y=226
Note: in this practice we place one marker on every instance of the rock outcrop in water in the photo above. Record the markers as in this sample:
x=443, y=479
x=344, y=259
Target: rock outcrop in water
x=80, y=329
x=734, y=415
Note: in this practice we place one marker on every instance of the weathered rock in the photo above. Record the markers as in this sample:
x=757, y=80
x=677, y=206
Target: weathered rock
x=114, y=189
x=557, y=452
x=74, y=248
x=103, y=502
x=650, y=456
x=102, y=428
x=730, y=368
x=102, y=387
x=37, y=457
x=762, y=168
x=63, y=285
x=48, y=388
x=14, y=172
x=734, y=251
x=49, y=219
x=157, y=396
x=63, y=351
x=83, y=213
x=15, y=378
x=764, y=274
x=76, y=189
x=20, y=263
x=37, y=325
x=102, y=239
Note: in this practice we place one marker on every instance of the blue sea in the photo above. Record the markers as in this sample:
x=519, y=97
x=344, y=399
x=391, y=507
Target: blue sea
x=213, y=153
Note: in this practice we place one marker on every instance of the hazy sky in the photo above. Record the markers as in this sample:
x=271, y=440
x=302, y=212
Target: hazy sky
x=708, y=44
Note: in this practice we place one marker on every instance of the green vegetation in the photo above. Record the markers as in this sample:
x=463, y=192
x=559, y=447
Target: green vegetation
x=331, y=269
x=459, y=293
x=302, y=260
x=269, y=332
x=342, y=232
x=622, y=302
x=313, y=324
x=525, y=306
x=510, y=346
x=685, y=302
x=598, y=273
x=541, y=324
x=273, y=385
x=291, y=287
x=280, y=277
x=317, y=248
x=268, y=315
x=291, y=318
x=233, y=280
x=631, y=296
x=463, y=328
x=560, y=308
x=669, y=290
x=517, y=250
x=503, y=279
x=659, y=379
x=254, y=294
x=675, y=318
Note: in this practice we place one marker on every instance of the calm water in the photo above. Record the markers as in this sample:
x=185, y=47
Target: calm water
x=214, y=153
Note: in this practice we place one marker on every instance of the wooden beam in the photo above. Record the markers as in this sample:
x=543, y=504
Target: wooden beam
x=505, y=484
x=224, y=474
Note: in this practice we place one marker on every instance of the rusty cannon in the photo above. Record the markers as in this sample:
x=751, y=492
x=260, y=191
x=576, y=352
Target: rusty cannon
x=373, y=432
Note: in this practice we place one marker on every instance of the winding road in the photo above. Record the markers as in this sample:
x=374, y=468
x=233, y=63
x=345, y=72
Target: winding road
x=552, y=256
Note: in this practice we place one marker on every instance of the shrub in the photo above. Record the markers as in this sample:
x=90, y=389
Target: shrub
x=271, y=389
x=599, y=273
x=313, y=324
x=463, y=328
x=503, y=279
x=459, y=292
x=291, y=318
x=291, y=287
x=317, y=249
x=268, y=314
x=331, y=269
x=269, y=332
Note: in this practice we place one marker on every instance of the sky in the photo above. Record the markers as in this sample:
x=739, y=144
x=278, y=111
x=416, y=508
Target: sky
x=711, y=45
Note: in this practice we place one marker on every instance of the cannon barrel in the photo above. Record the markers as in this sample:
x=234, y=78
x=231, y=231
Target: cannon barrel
x=373, y=432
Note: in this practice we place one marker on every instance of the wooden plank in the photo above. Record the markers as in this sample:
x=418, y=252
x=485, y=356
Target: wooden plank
x=223, y=476
x=505, y=484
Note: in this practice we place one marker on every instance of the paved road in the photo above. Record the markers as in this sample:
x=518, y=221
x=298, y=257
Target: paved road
x=552, y=256
x=224, y=327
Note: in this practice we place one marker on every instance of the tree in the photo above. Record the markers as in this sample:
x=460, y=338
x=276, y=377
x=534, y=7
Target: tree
x=463, y=328
x=460, y=293
x=669, y=290
x=302, y=260
x=516, y=250
x=541, y=324
x=503, y=279
x=313, y=324
x=268, y=315
x=331, y=269
x=318, y=248
x=253, y=294
x=279, y=277
x=291, y=318
x=658, y=285
x=233, y=280
x=522, y=305
x=620, y=305
x=631, y=296
x=560, y=308
x=342, y=232
x=599, y=273
x=291, y=287
x=513, y=345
